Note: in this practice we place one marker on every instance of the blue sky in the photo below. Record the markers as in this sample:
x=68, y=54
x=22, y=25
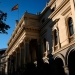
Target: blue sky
x=32, y=6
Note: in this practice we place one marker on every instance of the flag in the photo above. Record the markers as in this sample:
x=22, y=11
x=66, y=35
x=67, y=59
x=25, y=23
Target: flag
x=15, y=7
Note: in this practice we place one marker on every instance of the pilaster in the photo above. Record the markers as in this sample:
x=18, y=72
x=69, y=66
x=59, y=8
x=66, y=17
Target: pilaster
x=26, y=49
x=20, y=57
x=16, y=61
x=38, y=53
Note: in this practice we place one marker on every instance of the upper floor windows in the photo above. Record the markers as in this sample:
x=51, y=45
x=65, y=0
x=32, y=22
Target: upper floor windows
x=56, y=41
x=53, y=9
x=70, y=25
x=55, y=37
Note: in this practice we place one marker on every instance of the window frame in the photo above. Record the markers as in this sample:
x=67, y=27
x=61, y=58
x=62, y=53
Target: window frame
x=55, y=37
x=70, y=26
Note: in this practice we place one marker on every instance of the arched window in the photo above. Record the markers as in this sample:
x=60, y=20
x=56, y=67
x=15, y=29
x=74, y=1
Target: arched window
x=70, y=23
x=55, y=37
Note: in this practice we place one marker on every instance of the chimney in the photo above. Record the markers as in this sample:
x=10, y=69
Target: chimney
x=16, y=22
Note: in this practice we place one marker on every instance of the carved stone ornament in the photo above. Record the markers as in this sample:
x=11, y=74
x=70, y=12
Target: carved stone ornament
x=45, y=58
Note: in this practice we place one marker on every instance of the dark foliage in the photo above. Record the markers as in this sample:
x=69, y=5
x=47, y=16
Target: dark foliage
x=3, y=26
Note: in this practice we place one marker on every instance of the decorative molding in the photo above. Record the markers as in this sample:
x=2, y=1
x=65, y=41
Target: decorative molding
x=65, y=11
x=13, y=42
x=32, y=29
x=58, y=8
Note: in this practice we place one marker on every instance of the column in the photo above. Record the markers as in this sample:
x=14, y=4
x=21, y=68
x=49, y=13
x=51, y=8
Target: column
x=38, y=54
x=12, y=64
x=24, y=51
x=72, y=3
x=20, y=57
x=8, y=66
x=27, y=49
x=16, y=62
x=66, y=70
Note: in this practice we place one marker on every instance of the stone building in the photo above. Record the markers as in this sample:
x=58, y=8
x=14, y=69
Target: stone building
x=2, y=61
x=51, y=31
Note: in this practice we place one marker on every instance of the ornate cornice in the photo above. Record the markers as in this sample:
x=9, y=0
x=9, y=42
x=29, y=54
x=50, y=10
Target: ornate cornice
x=14, y=40
x=18, y=25
x=44, y=11
x=51, y=2
x=65, y=11
x=31, y=28
x=26, y=15
x=59, y=8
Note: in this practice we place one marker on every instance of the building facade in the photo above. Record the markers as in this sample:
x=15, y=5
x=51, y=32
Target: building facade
x=50, y=32
x=2, y=61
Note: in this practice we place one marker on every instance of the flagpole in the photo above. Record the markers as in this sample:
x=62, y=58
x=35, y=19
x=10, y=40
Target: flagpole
x=18, y=12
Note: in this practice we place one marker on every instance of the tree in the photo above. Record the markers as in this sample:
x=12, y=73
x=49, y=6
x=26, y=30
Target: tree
x=3, y=26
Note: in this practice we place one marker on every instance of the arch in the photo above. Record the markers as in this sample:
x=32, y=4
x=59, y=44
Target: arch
x=70, y=61
x=58, y=65
x=59, y=55
x=71, y=49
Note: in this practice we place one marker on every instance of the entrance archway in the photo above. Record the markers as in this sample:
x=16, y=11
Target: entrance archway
x=71, y=63
x=58, y=65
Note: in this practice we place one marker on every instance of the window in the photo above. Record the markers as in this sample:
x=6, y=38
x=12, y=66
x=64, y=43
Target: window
x=70, y=23
x=55, y=37
x=53, y=9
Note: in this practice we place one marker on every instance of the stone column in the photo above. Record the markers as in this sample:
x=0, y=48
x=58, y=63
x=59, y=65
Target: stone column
x=24, y=51
x=20, y=57
x=72, y=3
x=16, y=61
x=66, y=70
x=8, y=62
x=12, y=64
x=9, y=66
x=27, y=40
x=38, y=54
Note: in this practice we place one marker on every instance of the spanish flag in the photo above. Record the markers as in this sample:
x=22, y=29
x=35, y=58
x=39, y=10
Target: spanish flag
x=15, y=7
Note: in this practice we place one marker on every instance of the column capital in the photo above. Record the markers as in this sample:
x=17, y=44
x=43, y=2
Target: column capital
x=27, y=40
x=66, y=69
